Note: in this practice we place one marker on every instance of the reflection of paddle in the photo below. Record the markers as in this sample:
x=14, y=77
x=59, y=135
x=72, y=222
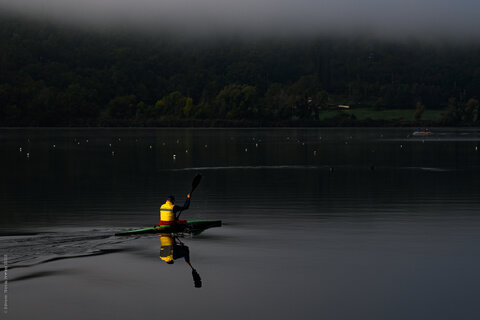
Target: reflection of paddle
x=196, y=277
x=195, y=183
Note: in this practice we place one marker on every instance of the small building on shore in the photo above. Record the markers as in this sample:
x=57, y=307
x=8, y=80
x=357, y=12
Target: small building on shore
x=337, y=107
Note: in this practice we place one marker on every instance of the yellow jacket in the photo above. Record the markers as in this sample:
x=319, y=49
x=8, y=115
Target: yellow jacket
x=166, y=212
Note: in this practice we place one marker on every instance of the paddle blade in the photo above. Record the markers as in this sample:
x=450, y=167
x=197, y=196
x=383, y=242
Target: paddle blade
x=196, y=181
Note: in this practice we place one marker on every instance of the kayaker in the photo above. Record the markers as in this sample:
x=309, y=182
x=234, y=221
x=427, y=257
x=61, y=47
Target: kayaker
x=169, y=209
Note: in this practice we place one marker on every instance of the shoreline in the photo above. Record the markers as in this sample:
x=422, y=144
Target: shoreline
x=243, y=124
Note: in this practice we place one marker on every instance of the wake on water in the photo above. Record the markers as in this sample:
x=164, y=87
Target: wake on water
x=32, y=249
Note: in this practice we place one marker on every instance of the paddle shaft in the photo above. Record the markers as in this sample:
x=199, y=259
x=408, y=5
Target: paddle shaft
x=195, y=183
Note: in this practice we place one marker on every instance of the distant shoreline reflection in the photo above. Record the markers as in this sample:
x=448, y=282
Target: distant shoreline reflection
x=171, y=249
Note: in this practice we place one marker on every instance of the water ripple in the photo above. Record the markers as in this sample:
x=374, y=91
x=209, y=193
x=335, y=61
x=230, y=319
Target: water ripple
x=27, y=251
x=250, y=167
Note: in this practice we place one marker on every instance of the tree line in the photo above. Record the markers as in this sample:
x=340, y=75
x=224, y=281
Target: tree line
x=52, y=75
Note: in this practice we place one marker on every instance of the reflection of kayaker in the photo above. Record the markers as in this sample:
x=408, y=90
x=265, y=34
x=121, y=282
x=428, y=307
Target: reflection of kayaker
x=171, y=249
x=424, y=132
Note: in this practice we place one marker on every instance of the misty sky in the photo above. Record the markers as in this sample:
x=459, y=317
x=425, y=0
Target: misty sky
x=424, y=18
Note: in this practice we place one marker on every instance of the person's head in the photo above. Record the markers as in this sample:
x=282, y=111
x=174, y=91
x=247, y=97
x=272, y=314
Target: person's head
x=171, y=198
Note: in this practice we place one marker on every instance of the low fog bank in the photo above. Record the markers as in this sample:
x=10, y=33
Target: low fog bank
x=424, y=19
x=58, y=75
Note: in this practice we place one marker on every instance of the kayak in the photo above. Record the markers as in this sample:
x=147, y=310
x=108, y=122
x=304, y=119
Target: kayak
x=193, y=226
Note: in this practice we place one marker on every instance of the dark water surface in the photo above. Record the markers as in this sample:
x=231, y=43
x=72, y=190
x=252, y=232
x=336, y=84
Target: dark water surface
x=318, y=223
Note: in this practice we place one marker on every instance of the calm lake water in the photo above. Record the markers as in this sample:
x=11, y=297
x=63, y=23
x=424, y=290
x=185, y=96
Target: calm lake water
x=318, y=223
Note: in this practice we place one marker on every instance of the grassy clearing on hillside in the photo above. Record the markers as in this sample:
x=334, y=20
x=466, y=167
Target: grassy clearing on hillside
x=366, y=113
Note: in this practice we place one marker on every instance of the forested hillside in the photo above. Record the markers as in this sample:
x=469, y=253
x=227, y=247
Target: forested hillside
x=52, y=75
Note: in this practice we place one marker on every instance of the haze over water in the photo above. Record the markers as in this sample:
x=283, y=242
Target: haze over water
x=318, y=223
x=422, y=19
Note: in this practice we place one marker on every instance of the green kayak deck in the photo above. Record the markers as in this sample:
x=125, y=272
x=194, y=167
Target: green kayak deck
x=192, y=226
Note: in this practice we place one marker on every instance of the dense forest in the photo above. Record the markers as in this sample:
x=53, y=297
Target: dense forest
x=59, y=76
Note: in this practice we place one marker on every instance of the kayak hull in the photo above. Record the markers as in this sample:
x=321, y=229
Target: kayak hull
x=192, y=226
